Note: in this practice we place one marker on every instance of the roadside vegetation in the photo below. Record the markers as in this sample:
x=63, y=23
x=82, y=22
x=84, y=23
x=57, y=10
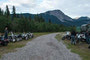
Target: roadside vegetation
x=81, y=49
x=12, y=46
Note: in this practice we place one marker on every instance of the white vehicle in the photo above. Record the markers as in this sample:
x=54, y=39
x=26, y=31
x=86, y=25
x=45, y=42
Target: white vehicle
x=67, y=33
x=12, y=37
x=81, y=37
x=67, y=36
x=85, y=27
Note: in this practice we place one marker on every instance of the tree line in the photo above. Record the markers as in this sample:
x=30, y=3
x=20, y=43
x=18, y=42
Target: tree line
x=19, y=23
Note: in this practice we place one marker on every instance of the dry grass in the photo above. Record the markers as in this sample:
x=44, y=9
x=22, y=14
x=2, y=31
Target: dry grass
x=81, y=49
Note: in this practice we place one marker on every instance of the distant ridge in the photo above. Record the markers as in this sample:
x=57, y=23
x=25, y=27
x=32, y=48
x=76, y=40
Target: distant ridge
x=58, y=17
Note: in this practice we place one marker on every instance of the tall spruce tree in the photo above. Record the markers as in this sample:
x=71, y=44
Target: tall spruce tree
x=36, y=18
x=30, y=18
x=7, y=12
x=49, y=21
x=14, y=12
x=0, y=11
x=41, y=19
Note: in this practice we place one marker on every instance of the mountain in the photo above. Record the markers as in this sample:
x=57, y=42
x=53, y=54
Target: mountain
x=58, y=17
x=82, y=20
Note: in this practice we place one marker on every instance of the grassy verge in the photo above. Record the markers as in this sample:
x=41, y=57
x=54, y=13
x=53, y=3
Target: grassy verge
x=81, y=49
x=11, y=46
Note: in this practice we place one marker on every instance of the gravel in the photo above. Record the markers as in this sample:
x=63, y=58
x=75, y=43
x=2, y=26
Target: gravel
x=45, y=47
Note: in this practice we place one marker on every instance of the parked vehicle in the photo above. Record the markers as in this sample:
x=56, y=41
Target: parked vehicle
x=30, y=35
x=3, y=42
x=82, y=37
x=12, y=39
x=25, y=36
x=85, y=27
x=67, y=36
x=18, y=37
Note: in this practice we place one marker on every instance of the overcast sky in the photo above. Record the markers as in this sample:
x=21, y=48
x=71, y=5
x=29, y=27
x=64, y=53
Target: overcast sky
x=72, y=8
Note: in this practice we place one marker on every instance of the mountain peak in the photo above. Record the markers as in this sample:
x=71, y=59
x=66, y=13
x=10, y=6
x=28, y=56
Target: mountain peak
x=54, y=11
x=59, y=14
x=83, y=18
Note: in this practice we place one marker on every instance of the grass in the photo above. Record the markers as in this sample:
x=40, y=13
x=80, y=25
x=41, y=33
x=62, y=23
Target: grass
x=81, y=49
x=12, y=46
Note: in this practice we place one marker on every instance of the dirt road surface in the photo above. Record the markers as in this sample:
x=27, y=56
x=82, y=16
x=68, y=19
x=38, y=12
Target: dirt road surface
x=45, y=47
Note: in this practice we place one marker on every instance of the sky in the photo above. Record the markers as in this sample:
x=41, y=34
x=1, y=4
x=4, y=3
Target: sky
x=72, y=8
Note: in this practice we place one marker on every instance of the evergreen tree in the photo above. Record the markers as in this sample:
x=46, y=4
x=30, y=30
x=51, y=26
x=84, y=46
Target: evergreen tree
x=0, y=11
x=18, y=16
x=21, y=16
x=36, y=18
x=42, y=19
x=7, y=12
x=30, y=18
x=14, y=12
x=49, y=21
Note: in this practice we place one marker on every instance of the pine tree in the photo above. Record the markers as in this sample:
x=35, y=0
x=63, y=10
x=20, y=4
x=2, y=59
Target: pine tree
x=41, y=19
x=7, y=12
x=14, y=12
x=36, y=18
x=30, y=18
x=21, y=16
x=0, y=11
x=49, y=21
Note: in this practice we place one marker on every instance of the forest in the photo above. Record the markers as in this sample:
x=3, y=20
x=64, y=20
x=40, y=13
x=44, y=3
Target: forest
x=19, y=23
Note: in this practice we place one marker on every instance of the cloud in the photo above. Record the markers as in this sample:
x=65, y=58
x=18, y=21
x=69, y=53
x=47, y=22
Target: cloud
x=72, y=8
x=21, y=6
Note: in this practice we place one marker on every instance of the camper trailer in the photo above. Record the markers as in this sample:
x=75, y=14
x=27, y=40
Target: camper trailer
x=85, y=27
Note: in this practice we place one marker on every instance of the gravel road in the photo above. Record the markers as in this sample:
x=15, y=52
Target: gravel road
x=45, y=47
